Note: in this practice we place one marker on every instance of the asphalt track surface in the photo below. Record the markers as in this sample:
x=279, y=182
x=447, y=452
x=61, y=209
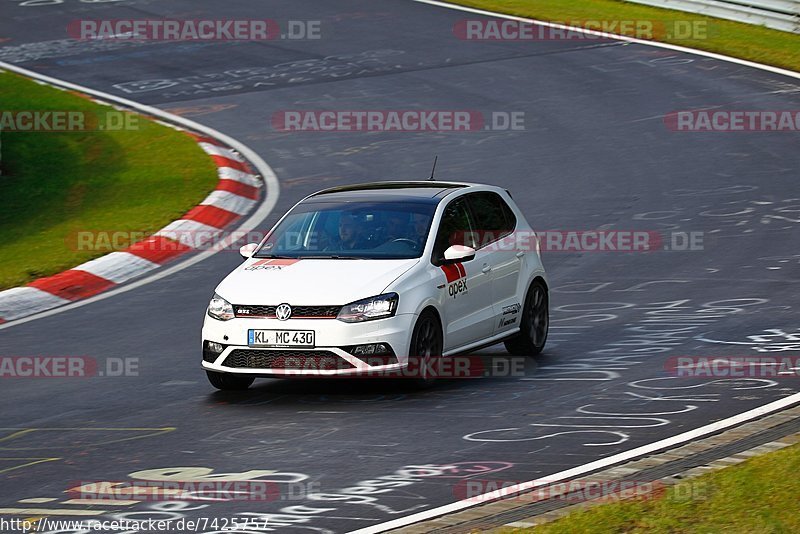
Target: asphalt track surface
x=595, y=154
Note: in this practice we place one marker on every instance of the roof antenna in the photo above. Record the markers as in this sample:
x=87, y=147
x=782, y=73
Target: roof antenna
x=434, y=168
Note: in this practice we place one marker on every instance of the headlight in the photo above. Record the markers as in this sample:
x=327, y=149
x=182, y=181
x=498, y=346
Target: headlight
x=220, y=309
x=369, y=309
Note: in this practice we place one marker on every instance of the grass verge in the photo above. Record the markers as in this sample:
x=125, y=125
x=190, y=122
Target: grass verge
x=746, y=41
x=57, y=183
x=759, y=495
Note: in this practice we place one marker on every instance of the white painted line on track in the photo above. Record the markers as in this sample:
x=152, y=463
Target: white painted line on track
x=585, y=468
x=677, y=48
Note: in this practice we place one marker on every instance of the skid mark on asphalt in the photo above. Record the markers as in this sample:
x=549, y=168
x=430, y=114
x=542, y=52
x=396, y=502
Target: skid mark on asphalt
x=31, y=439
x=61, y=440
x=11, y=464
x=313, y=71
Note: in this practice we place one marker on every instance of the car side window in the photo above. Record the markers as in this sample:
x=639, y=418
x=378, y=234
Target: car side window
x=456, y=228
x=494, y=219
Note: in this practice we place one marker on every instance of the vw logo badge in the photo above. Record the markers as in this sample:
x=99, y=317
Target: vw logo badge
x=283, y=312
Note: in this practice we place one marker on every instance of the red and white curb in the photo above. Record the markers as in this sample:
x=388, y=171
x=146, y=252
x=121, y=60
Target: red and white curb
x=238, y=191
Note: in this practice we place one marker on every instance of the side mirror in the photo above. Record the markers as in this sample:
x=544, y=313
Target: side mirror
x=248, y=250
x=458, y=253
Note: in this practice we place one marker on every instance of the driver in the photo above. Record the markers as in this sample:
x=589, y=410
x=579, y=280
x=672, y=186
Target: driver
x=413, y=232
x=419, y=224
x=396, y=226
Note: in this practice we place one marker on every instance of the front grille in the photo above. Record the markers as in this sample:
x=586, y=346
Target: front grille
x=317, y=360
x=254, y=311
x=298, y=312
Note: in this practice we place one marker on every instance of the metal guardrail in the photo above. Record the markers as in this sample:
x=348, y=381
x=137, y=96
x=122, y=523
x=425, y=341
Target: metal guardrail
x=781, y=15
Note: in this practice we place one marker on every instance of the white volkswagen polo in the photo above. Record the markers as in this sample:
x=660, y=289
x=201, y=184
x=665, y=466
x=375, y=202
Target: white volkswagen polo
x=368, y=279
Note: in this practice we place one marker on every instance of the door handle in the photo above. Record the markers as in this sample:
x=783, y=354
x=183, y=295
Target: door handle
x=486, y=268
x=520, y=253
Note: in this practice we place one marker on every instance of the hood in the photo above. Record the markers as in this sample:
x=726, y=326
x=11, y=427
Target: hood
x=309, y=282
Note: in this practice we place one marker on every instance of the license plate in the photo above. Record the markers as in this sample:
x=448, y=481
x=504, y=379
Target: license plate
x=280, y=338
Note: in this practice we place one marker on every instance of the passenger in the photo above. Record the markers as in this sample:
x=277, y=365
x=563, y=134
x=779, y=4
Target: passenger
x=349, y=232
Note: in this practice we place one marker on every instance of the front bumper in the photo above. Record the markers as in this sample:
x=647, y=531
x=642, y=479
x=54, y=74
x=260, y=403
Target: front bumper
x=330, y=336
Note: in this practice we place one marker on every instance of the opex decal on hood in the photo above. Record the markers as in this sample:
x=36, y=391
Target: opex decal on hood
x=270, y=265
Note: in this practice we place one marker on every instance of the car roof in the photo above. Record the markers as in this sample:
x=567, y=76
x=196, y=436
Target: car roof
x=422, y=191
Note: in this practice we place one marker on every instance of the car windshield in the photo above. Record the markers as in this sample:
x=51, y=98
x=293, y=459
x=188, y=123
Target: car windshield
x=349, y=230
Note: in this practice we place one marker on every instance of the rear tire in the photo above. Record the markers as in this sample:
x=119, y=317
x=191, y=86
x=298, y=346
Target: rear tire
x=426, y=348
x=534, y=323
x=229, y=382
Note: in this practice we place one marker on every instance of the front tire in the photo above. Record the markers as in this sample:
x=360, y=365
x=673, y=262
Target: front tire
x=427, y=344
x=229, y=382
x=534, y=323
